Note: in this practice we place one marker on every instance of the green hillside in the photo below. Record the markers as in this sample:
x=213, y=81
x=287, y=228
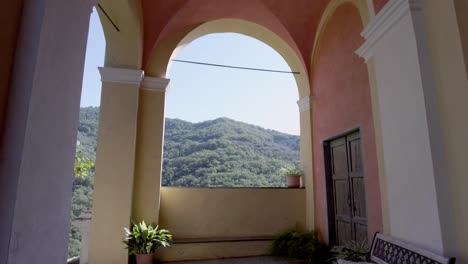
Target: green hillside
x=225, y=153
x=215, y=153
x=220, y=152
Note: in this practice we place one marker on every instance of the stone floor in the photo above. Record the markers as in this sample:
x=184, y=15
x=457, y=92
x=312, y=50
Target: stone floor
x=253, y=260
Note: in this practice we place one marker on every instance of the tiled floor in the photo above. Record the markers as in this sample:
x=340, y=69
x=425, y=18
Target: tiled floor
x=253, y=260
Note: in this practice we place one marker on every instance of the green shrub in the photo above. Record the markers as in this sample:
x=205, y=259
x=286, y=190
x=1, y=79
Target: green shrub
x=300, y=245
x=352, y=251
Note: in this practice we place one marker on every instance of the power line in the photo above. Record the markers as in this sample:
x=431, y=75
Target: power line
x=108, y=17
x=235, y=67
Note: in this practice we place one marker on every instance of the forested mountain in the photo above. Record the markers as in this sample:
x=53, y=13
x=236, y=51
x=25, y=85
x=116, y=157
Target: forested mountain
x=220, y=152
x=215, y=153
x=225, y=153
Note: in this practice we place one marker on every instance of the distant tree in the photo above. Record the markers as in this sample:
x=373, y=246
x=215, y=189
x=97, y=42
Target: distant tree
x=82, y=165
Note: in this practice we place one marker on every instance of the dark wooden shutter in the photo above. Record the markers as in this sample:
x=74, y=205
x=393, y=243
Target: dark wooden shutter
x=346, y=189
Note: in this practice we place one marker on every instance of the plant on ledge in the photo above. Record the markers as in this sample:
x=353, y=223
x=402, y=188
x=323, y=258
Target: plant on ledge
x=293, y=176
x=142, y=240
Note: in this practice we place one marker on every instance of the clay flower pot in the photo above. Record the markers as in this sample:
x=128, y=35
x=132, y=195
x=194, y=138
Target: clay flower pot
x=293, y=181
x=144, y=258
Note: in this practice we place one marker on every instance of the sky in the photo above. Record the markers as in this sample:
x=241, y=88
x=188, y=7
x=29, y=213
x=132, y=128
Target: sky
x=198, y=93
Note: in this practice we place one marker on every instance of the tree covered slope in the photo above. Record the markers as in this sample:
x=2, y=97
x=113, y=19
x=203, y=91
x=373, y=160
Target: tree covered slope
x=225, y=153
x=215, y=153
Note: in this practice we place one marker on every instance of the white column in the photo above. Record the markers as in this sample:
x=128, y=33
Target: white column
x=409, y=122
x=149, y=152
x=306, y=157
x=39, y=141
x=115, y=164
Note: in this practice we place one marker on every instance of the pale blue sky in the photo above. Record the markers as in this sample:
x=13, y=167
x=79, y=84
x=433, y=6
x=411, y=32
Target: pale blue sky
x=199, y=93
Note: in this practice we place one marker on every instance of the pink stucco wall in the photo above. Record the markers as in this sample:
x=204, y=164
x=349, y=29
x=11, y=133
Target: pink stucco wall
x=341, y=102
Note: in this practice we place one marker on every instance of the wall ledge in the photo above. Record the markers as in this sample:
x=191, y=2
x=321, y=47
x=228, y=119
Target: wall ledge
x=234, y=188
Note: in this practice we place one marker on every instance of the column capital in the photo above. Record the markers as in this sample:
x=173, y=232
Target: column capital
x=305, y=103
x=155, y=84
x=121, y=75
x=393, y=11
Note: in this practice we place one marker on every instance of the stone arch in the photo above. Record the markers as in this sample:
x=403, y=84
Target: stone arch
x=160, y=59
x=124, y=48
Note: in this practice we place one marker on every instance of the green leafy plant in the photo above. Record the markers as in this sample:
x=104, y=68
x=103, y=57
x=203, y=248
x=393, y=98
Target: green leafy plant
x=356, y=251
x=145, y=239
x=300, y=245
x=293, y=170
x=82, y=165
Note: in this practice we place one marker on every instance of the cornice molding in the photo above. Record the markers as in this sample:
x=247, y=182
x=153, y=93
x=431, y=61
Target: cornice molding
x=305, y=103
x=392, y=12
x=121, y=75
x=155, y=84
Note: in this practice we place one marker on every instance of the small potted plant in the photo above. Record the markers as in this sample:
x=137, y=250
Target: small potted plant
x=142, y=240
x=293, y=176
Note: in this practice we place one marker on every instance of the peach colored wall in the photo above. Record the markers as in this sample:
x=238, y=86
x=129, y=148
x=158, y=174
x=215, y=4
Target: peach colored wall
x=379, y=4
x=219, y=213
x=341, y=102
x=10, y=15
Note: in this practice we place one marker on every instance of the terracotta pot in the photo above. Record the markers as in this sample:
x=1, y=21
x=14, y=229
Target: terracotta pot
x=144, y=258
x=293, y=181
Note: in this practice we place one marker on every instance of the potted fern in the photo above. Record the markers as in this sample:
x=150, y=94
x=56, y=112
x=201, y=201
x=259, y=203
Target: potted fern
x=293, y=176
x=142, y=240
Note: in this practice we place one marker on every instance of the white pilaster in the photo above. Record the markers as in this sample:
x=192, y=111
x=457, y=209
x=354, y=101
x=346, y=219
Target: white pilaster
x=409, y=122
x=149, y=152
x=305, y=116
x=37, y=155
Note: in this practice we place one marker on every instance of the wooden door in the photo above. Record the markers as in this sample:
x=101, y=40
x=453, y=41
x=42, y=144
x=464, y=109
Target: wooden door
x=346, y=189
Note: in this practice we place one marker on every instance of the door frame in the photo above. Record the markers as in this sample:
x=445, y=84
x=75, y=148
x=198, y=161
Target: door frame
x=329, y=181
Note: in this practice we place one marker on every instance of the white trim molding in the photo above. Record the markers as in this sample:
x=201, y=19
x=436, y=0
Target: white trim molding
x=370, y=6
x=121, y=75
x=305, y=103
x=155, y=84
x=383, y=21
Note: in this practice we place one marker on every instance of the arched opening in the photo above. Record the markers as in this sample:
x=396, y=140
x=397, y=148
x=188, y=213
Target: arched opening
x=241, y=204
x=161, y=60
x=230, y=127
